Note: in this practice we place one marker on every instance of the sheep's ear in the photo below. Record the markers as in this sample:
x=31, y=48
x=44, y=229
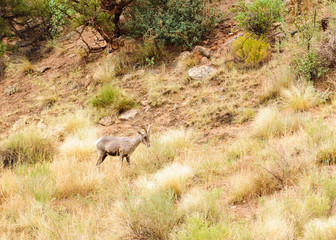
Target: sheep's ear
x=140, y=132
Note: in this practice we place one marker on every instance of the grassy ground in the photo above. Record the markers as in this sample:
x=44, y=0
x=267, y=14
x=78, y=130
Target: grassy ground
x=244, y=154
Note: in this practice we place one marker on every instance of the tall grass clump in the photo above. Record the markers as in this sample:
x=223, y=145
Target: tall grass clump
x=171, y=178
x=112, y=97
x=322, y=229
x=104, y=72
x=27, y=146
x=270, y=122
x=163, y=150
x=299, y=98
x=80, y=146
x=151, y=216
x=72, y=123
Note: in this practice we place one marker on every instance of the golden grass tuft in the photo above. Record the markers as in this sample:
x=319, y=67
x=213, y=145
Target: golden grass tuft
x=270, y=122
x=105, y=72
x=275, y=227
x=162, y=152
x=280, y=79
x=171, y=178
x=323, y=229
x=80, y=146
x=299, y=98
x=72, y=123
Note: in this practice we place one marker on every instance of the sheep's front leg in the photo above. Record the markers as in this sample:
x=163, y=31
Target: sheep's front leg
x=121, y=159
x=101, y=158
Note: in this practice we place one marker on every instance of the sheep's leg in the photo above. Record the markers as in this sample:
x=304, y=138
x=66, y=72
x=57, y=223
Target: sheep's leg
x=121, y=159
x=128, y=160
x=101, y=158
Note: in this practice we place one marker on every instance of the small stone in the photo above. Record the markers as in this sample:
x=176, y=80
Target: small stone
x=203, y=50
x=204, y=61
x=201, y=72
x=106, y=121
x=129, y=115
x=43, y=69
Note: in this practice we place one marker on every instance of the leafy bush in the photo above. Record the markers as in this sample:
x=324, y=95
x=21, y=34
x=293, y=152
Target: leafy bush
x=113, y=97
x=250, y=50
x=27, y=146
x=176, y=22
x=309, y=65
x=258, y=16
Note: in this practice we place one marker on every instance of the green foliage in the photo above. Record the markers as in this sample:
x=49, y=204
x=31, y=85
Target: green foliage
x=250, y=50
x=59, y=14
x=258, y=16
x=151, y=217
x=174, y=21
x=89, y=13
x=39, y=180
x=2, y=49
x=27, y=146
x=309, y=65
x=112, y=97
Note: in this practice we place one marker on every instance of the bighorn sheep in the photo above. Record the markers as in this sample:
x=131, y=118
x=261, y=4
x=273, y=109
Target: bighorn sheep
x=120, y=146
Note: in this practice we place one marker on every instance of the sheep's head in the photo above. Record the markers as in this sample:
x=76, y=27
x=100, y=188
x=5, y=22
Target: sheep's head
x=145, y=136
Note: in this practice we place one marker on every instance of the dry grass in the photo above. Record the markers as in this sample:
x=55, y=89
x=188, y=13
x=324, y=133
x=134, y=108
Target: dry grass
x=105, y=72
x=323, y=229
x=270, y=122
x=80, y=146
x=281, y=78
x=171, y=178
x=299, y=98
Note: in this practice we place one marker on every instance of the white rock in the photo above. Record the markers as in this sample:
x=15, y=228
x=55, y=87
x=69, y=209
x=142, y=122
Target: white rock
x=129, y=115
x=201, y=72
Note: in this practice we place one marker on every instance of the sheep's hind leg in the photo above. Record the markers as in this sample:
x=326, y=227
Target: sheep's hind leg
x=128, y=160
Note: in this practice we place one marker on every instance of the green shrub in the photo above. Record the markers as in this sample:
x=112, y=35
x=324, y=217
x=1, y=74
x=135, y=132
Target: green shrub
x=174, y=21
x=258, y=16
x=112, y=97
x=250, y=50
x=309, y=65
x=28, y=146
x=151, y=217
x=2, y=49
